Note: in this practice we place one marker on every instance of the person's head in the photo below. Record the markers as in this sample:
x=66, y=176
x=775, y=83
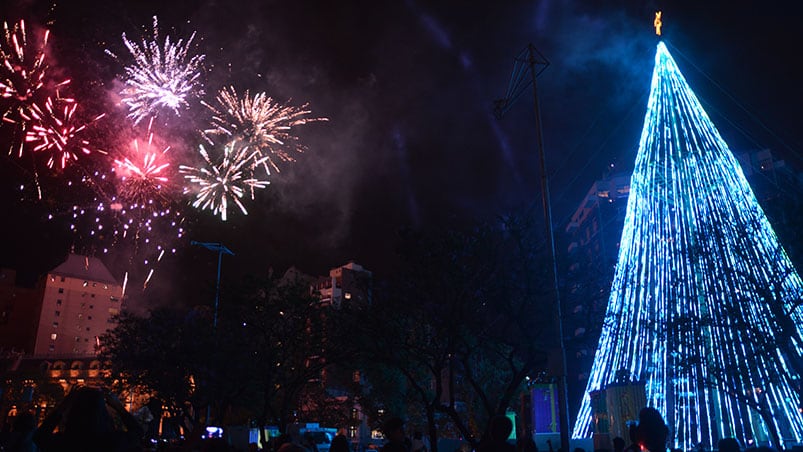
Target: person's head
x=393, y=429
x=652, y=431
x=88, y=414
x=729, y=445
x=500, y=427
x=618, y=444
x=339, y=444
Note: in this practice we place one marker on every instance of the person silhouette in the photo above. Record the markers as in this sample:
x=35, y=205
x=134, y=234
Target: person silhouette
x=85, y=423
x=618, y=444
x=20, y=438
x=652, y=432
x=729, y=445
x=339, y=444
x=393, y=429
x=499, y=429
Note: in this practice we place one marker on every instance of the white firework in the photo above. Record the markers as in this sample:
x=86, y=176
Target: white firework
x=266, y=125
x=216, y=185
x=163, y=75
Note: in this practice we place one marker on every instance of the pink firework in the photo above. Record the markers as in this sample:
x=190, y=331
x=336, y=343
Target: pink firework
x=22, y=75
x=23, y=69
x=143, y=173
x=56, y=131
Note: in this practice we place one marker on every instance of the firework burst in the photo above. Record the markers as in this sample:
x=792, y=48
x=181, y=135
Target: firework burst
x=56, y=131
x=219, y=184
x=21, y=75
x=267, y=126
x=164, y=75
x=143, y=173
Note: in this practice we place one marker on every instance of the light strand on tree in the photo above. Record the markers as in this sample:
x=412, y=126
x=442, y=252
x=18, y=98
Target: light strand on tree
x=702, y=287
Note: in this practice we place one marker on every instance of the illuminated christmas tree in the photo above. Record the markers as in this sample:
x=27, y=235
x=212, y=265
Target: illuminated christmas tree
x=704, y=307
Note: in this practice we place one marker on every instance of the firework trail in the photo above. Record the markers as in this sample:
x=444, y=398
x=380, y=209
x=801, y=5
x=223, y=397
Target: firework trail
x=264, y=124
x=21, y=75
x=56, y=131
x=163, y=75
x=219, y=184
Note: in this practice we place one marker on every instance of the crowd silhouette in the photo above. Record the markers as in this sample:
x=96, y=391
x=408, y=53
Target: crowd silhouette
x=93, y=419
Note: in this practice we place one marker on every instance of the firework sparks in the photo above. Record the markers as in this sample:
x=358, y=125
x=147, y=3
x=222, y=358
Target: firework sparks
x=143, y=173
x=56, y=131
x=21, y=75
x=264, y=124
x=163, y=75
x=219, y=184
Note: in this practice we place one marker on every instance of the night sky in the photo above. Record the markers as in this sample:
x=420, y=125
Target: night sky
x=408, y=87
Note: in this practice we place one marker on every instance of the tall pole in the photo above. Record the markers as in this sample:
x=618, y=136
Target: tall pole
x=529, y=60
x=221, y=249
x=563, y=402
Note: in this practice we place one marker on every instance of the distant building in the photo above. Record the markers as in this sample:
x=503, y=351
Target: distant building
x=19, y=314
x=593, y=236
x=49, y=334
x=350, y=283
x=80, y=299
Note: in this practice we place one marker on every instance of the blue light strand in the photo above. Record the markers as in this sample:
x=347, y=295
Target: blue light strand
x=696, y=247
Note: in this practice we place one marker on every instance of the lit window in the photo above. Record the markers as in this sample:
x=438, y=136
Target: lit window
x=347, y=295
x=53, y=336
x=86, y=283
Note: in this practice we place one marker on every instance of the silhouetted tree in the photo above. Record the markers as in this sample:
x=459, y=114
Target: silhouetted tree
x=464, y=320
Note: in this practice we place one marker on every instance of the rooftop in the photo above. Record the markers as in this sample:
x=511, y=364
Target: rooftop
x=85, y=267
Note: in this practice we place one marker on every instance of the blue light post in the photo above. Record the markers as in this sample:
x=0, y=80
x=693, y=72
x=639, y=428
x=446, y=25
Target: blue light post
x=221, y=250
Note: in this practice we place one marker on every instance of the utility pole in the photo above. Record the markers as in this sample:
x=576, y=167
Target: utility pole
x=527, y=65
x=221, y=250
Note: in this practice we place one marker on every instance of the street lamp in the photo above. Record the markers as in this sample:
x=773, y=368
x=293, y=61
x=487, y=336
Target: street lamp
x=221, y=250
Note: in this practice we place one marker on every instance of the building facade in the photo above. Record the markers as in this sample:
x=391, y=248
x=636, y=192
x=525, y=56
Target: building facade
x=80, y=299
